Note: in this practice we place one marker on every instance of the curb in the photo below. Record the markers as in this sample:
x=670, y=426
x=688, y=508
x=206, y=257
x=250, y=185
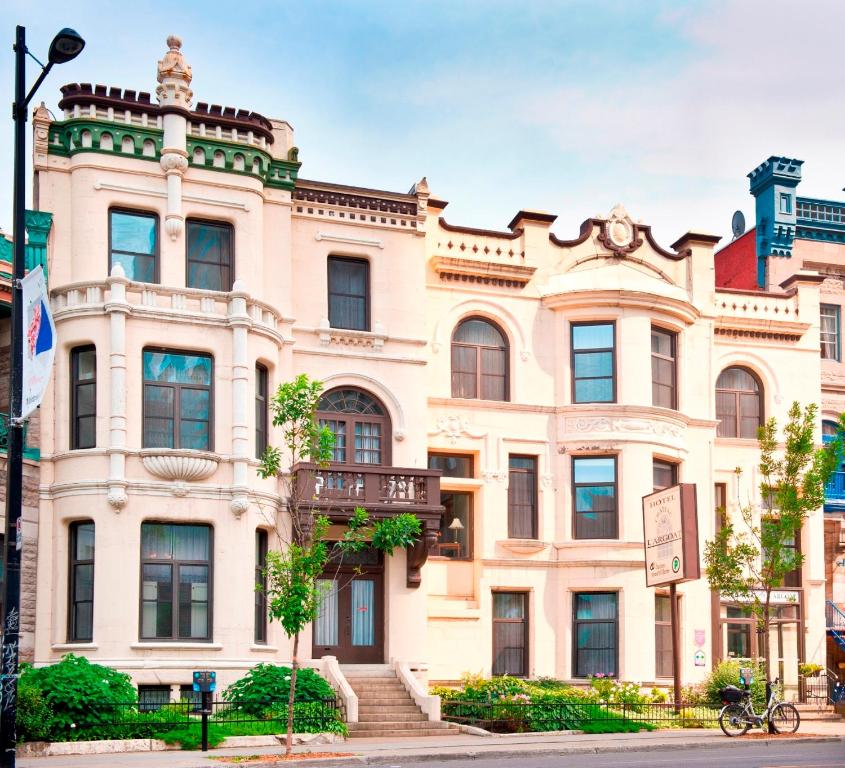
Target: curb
x=473, y=753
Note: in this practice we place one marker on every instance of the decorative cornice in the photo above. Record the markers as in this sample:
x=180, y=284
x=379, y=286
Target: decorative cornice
x=487, y=272
x=681, y=310
x=514, y=235
x=179, y=465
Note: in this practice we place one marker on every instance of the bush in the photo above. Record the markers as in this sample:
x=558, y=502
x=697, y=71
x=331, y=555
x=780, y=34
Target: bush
x=72, y=700
x=268, y=683
x=727, y=673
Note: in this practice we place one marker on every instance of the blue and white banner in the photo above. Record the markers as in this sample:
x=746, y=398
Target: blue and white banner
x=39, y=345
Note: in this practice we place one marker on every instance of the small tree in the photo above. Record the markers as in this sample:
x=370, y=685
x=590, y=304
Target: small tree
x=750, y=557
x=293, y=571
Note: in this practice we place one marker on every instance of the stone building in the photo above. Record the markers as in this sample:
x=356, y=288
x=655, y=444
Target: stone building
x=518, y=391
x=792, y=233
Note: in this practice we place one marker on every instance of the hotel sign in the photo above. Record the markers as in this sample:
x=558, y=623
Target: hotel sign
x=670, y=527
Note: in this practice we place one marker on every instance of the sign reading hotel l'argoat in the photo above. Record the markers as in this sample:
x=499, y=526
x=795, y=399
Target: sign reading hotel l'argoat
x=670, y=527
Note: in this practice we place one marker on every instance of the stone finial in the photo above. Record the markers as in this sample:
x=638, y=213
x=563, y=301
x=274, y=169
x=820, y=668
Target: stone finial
x=41, y=125
x=174, y=76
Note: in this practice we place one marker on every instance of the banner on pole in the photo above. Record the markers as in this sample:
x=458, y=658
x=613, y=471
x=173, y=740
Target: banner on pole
x=39, y=345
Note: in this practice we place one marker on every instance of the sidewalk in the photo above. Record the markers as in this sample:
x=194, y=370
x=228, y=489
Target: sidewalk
x=386, y=752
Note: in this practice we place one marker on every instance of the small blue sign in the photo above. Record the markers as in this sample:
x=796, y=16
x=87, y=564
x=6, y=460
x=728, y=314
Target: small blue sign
x=205, y=681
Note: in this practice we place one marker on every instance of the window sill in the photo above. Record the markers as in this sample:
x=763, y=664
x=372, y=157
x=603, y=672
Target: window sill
x=523, y=546
x=168, y=645
x=74, y=647
x=263, y=648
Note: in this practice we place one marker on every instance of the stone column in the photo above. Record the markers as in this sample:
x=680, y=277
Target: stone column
x=174, y=96
x=240, y=322
x=117, y=308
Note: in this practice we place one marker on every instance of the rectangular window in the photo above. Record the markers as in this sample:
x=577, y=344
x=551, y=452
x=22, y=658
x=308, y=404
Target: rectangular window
x=175, y=582
x=785, y=203
x=451, y=465
x=596, y=634
x=593, y=366
x=349, y=288
x=261, y=587
x=663, y=636
x=261, y=413
x=522, y=497
x=177, y=400
x=663, y=373
x=790, y=551
x=738, y=633
x=209, y=255
x=455, y=537
x=81, y=608
x=133, y=243
x=594, y=492
x=664, y=474
x=152, y=697
x=829, y=332
x=83, y=398
x=510, y=634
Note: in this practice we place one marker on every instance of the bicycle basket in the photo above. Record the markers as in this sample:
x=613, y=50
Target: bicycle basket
x=731, y=695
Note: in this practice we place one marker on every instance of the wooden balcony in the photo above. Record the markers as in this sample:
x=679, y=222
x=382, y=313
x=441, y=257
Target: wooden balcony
x=336, y=490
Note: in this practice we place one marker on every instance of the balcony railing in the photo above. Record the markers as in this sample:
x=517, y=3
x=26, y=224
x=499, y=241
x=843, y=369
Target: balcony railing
x=336, y=490
x=29, y=452
x=834, y=491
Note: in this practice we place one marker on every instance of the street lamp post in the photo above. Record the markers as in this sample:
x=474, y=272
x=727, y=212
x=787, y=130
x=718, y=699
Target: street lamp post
x=66, y=45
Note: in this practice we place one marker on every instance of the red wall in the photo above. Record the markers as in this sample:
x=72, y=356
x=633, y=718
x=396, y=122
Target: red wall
x=736, y=263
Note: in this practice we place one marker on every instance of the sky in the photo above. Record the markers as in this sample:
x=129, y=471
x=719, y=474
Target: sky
x=568, y=107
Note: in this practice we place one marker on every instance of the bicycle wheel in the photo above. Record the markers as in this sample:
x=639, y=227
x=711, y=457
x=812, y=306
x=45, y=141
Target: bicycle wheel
x=733, y=720
x=785, y=718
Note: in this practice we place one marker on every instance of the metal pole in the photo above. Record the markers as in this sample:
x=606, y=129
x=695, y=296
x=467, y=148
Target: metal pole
x=676, y=642
x=14, y=461
x=206, y=711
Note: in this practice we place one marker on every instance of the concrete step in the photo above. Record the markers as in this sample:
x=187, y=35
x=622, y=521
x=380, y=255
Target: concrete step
x=391, y=717
x=367, y=670
x=830, y=717
x=399, y=732
x=365, y=685
x=402, y=724
x=390, y=703
x=373, y=709
x=380, y=693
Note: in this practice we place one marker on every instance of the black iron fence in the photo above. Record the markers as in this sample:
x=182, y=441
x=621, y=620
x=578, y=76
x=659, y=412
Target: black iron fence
x=550, y=715
x=154, y=719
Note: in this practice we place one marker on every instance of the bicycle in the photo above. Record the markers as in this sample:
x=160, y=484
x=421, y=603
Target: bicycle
x=738, y=714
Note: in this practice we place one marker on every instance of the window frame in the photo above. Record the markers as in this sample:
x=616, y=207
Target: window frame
x=576, y=621
x=837, y=342
x=573, y=352
x=262, y=412
x=761, y=411
x=534, y=487
x=479, y=373
x=439, y=548
x=73, y=634
x=575, y=486
x=218, y=224
x=75, y=384
x=177, y=400
x=659, y=670
x=525, y=620
x=673, y=338
x=156, y=255
x=674, y=467
x=470, y=458
x=367, y=297
x=174, y=587
x=351, y=418
x=260, y=634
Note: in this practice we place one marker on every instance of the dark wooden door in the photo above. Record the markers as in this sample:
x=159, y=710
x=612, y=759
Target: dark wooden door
x=350, y=624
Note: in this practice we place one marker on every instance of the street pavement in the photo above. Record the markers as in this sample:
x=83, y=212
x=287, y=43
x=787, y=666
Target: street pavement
x=699, y=747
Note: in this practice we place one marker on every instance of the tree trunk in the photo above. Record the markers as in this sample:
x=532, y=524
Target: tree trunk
x=768, y=658
x=293, y=668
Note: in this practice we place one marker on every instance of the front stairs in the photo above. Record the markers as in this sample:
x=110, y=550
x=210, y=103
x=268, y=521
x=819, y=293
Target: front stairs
x=385, y=708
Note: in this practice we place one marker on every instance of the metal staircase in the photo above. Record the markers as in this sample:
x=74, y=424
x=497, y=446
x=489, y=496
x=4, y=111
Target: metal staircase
x=835, y=622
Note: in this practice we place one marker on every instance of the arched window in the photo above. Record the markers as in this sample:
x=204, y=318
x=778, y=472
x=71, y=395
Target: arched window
x=360, y=424
x=479, y=361
x=739, y=405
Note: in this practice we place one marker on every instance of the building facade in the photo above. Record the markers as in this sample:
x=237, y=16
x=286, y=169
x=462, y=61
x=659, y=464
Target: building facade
x=792, y=233
x=519, y=392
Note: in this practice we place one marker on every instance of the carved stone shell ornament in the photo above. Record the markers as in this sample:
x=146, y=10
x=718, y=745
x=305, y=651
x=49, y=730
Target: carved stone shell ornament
x=619, y=233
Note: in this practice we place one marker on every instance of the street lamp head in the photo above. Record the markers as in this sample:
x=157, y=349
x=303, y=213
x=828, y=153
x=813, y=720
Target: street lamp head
x=66, y=45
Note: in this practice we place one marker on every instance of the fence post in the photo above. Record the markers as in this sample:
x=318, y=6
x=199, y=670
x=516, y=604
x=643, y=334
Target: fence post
x=206, y=711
